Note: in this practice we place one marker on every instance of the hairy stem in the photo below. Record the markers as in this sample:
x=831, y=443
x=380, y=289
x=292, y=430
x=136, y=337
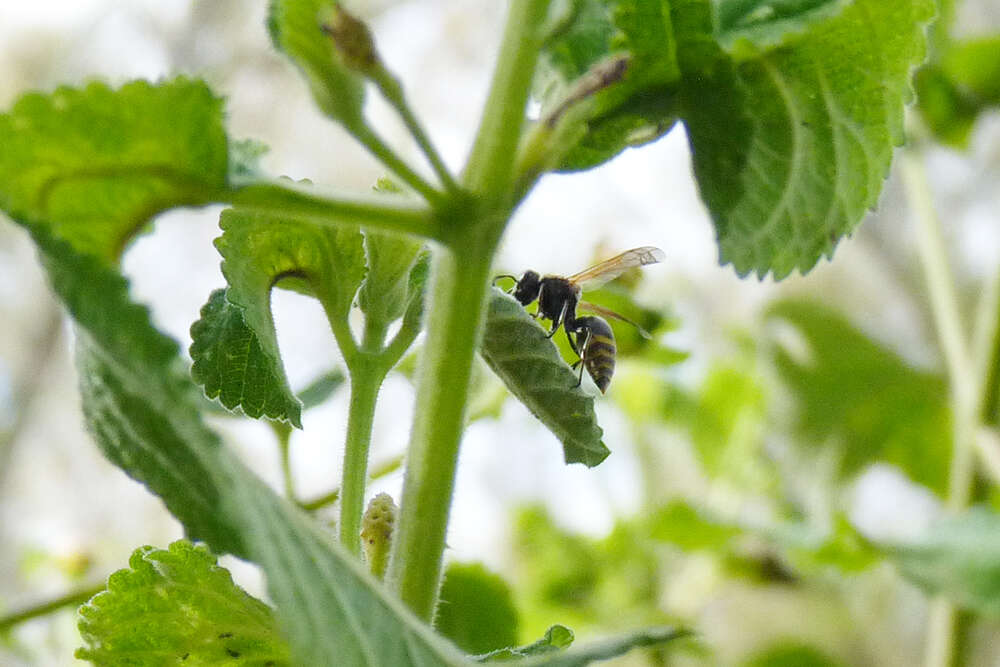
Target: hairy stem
x=71, y=599
x=393, y=93
x=283, y=433
x=460, y=278
x=490, y=170
x=287, y=199
x=365, y=382
x=458, y=291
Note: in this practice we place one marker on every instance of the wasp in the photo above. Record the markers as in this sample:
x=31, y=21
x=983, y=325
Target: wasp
x=559, y=296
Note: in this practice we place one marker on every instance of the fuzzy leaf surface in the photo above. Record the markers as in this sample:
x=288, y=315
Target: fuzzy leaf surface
x=824, y=109
x=958, y=557
x=94, y=164
x=296, y=29
x=178, y=605
x=261, y=250
x=143, y=411
x=515, y=347
x=231, y=365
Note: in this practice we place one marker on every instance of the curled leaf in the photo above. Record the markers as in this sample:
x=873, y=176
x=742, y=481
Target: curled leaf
x=232, y=365
x=515, y=347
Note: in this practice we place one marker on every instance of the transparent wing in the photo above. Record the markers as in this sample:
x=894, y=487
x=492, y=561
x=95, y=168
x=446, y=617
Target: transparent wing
x=607, y=312
x=610, y=269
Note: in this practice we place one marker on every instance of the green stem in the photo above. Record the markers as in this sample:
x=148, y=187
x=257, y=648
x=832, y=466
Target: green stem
x=388, y=157
x=460, y=278
x=490, y=170
x=942, y=635
x=366, y=378
x=73, y=598
x=283, y=432
x=458, y=291
x=394, y=94
x=287, y=199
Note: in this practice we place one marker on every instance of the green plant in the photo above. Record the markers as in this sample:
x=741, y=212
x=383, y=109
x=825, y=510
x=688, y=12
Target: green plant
x=792, y=109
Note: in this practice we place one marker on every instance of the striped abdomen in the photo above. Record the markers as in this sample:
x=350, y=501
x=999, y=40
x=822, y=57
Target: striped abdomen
x=598, y=355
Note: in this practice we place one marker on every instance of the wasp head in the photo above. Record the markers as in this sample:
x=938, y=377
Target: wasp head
x=528, y=287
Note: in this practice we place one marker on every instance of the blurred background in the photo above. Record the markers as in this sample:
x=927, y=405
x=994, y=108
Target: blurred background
x=820, y=399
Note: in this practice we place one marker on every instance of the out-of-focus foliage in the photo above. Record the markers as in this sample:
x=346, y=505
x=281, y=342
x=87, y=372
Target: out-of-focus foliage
x=960, y=84
x=477, y=609
x=791, y=654
x=610, y=583
x=959, y=557
x=850, y=392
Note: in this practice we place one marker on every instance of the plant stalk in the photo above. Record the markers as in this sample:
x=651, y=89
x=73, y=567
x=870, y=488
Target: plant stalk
x=471, y=231
x=73, y=598
x=942, y=634
x=366, y=379
x=393, y=92
x=458, y=289
x=490, y=169
x=288, y=199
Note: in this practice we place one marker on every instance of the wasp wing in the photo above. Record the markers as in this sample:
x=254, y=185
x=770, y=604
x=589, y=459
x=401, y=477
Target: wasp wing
x=610, y=269
x=607, y=312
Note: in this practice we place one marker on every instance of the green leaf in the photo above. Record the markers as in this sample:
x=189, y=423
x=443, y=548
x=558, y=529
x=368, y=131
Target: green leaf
x=515, y=347
x=853, y=392
x=143, y=411
x=385, y=292
x=680, y=524
x=94, y=164
x=959, y=557
x=612, y=71
x=768, y=23
x=296, y=28
x=259, y=250
x=413, y=316
x=178, y=605
x=556, y=638
x=477, y=610
x=124, y=366
x=825, y=109
x=231, y=365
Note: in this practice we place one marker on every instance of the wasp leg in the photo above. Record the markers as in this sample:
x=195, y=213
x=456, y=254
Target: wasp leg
x=572, y=344
x=559, y=320
x=583, y=357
